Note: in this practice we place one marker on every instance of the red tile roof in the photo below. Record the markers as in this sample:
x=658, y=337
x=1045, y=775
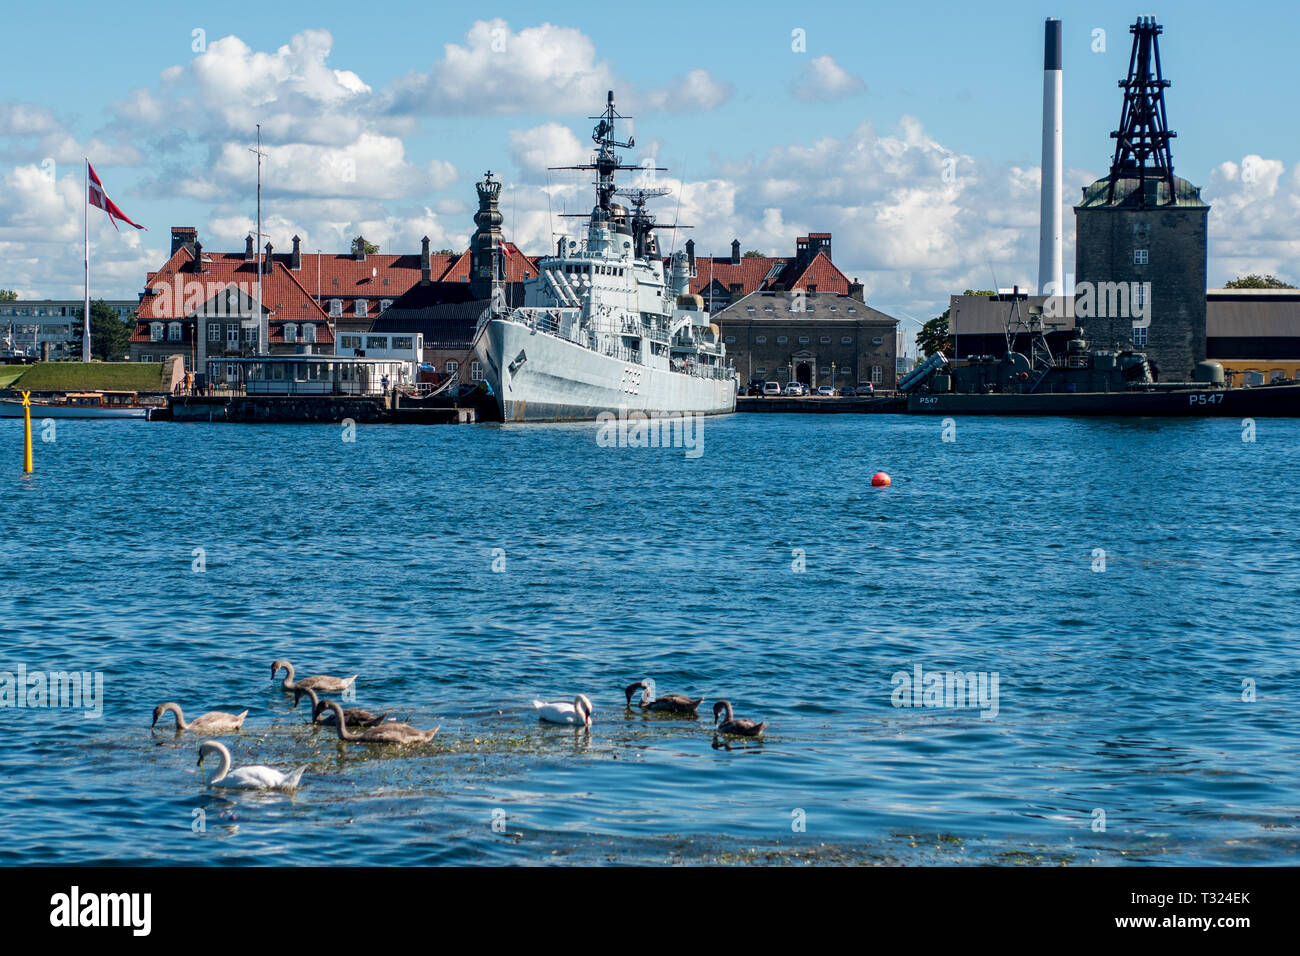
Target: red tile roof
x=519, y=266
x=752, y=274
x=180, y=290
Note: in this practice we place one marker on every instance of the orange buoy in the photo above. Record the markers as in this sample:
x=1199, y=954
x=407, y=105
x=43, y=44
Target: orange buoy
x=880, y=480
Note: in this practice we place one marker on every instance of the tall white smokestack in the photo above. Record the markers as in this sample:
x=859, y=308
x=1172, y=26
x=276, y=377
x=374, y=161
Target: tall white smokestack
x=1051, y=277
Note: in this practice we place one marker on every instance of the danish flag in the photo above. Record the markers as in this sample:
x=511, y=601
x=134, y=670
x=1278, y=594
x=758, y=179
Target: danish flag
x=97, y=197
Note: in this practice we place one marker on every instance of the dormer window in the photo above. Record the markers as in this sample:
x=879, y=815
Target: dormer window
x=336, y=308
x=363, y=306
x=308, y=332
x=174, y=332
x=155, y=331
x=290, y=332
x=384, y=304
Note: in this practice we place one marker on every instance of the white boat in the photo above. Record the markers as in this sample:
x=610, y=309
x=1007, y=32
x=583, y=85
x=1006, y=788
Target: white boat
x=602, y=328
x=79, y=405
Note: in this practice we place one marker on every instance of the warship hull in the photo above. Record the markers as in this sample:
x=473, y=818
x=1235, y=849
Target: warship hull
x=538, y=377
x=1259, y=402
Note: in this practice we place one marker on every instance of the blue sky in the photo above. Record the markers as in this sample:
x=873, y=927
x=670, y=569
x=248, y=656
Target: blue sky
x=715, y=87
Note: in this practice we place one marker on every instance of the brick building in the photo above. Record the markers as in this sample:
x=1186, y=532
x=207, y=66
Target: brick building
x=818, y=338
x=723, y=280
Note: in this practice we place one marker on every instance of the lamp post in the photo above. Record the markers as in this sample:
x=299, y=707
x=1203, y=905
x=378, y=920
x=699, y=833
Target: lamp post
x=832, y=379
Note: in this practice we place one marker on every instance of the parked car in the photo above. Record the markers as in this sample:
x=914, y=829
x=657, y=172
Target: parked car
x=847, y=391
x=771, y=388
x=826, y=391
x=866, y=388
x=755, y=387
x=793, y=388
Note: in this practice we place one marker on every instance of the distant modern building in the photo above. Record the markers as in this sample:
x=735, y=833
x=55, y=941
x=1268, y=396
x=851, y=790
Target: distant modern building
x=1254, y=333
x=32, y=323
x=817, y=338
x=978, y=324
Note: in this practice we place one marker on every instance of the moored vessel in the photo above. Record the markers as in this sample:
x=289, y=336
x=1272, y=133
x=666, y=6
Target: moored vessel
x=604, y=327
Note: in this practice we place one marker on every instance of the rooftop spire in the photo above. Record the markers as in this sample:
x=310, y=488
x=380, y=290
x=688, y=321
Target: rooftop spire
x=1142, y=140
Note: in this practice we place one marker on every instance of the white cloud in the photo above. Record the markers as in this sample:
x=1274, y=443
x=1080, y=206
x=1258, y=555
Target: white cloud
x=824, y=79
x=551, y=144
x=1254, y=219
x=697, y=90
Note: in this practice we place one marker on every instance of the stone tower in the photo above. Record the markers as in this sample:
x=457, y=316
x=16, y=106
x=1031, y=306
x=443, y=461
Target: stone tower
x=485, y=252
x=1140, y=233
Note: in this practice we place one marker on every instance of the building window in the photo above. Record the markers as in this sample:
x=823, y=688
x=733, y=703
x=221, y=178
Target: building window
x=403, y=343
x=214, y=332
x=731, y=340
x=846, y=340
x=363, y=306
x=452, y=366
x=385, y=303
x=336, y=307
x=1139, y=257
x=846, y=370
x=376, y=342
x=1139, y=293
x=232, y=335
x=308, y=332
x=761, y=340
x=250, y=334
x=1140, y=337
x=146, y=358
x=853, y=310
x=877, y=340
x=803, y=340
x=826, y=370
x=825, y=340
x=781, y=340
x=877, y=375
x=476, y=371
x=290, y=332
x=155, y=331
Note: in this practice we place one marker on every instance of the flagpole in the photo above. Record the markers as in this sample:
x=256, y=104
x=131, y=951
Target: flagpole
x=85, y=313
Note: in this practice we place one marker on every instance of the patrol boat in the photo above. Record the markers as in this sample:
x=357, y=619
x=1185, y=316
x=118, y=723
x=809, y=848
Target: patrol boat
x=604, y=327
x=1083, y=381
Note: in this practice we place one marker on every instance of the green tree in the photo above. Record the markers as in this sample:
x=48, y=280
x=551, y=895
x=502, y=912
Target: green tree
x=110, y=337
x=8, y=295
x=359, y=244
x=445, y=252
x=753, y=254
x=934, y=336
x=1254, y=281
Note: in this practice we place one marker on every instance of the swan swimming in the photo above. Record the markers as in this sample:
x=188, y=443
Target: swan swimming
x=356, y=717
x=255, y=777
x=668, y=703
x=320, y=682
x=391, y=733
x=742, y=727
x=215, y=722
x=562, y=712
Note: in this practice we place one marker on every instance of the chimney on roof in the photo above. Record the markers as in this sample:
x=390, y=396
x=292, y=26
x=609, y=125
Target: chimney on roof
x=182, y=236
x=690, y=255
x=426, y=263
x=295, y=257
x=735, y=252
x=856, y=291
x=819, y=242
x=250, y=254
x=198, y=256
x=269, y=261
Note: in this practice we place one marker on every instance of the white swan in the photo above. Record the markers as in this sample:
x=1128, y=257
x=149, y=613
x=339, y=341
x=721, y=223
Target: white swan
x=214, y=722
x=320, y=683
x=256, y=777
x=562, y=712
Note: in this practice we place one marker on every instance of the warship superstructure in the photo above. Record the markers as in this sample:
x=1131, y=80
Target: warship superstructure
x=604, y=326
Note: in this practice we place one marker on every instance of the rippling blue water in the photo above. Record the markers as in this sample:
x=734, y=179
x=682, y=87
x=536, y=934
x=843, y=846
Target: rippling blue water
x=1119, y=691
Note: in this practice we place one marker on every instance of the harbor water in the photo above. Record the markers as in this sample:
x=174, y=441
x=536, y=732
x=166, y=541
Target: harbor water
x=1124, y=590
